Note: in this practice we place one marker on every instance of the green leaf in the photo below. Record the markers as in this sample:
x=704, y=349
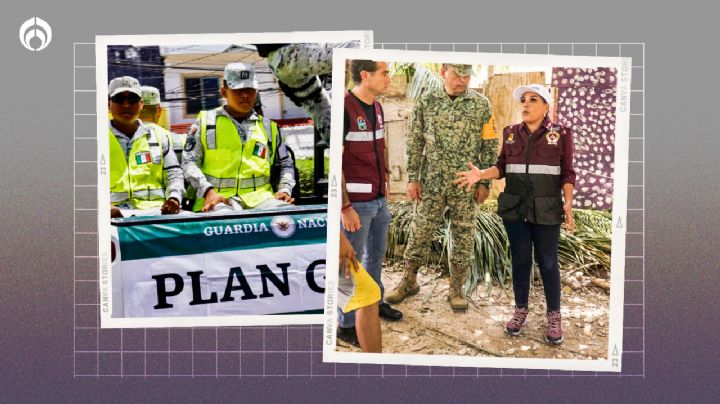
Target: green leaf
x=587, y=250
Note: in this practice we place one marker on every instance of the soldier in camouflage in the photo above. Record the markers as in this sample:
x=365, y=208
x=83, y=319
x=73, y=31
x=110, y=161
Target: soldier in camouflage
x=446, y=132
x=297, y=67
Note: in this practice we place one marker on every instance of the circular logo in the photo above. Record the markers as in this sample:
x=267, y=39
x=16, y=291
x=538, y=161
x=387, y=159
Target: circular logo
x=283, y=226
x=35, y=34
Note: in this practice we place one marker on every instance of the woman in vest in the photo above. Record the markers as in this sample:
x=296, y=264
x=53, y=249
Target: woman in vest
x=537, y=163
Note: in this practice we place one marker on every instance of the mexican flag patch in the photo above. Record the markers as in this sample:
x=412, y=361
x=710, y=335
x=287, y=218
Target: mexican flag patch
x=260, y=150
x=143, y=157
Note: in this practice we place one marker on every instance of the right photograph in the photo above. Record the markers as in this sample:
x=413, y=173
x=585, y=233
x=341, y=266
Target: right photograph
x=478, y=202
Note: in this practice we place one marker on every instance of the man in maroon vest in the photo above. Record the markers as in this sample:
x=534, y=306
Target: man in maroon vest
x=365, y=215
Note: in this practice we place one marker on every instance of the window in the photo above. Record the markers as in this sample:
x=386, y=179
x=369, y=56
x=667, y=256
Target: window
x=202, y=93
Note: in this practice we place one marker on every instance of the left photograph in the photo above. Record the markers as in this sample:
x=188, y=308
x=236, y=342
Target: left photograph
x=213, y=158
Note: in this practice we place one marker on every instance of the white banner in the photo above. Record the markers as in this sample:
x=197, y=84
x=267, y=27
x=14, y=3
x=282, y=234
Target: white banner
x=262, y=281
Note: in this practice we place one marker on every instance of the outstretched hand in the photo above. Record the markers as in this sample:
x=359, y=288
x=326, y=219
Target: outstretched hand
x=467, y=179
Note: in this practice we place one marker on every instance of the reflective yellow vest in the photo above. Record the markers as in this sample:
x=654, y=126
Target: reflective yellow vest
x=233, y=168
x=176, y=140
x=137, y=179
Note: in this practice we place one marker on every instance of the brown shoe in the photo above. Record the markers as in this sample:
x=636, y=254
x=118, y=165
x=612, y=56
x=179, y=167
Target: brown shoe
x=408, y=286
x=456, y=295
x=518, y=320
x=554, y=328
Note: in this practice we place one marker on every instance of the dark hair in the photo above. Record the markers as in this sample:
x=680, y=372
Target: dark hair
x=357, y=66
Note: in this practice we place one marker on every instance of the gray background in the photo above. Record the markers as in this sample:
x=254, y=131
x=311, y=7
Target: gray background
x=36, y=162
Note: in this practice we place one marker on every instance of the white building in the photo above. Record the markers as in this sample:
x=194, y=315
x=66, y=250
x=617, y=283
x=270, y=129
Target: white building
x=193, y=76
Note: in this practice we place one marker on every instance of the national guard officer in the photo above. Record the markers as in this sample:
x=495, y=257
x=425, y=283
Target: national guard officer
x=229, y=151
x=150, y=116
x=144, y=174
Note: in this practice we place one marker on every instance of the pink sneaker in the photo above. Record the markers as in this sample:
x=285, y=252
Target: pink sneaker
x=518, y=320
x=554, y=328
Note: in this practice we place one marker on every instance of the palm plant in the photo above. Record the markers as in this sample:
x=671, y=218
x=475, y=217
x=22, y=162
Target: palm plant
x=421, y=77
x=586, y=250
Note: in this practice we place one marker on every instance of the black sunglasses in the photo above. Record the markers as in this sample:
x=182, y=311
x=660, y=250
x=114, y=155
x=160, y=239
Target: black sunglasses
x=120, y=98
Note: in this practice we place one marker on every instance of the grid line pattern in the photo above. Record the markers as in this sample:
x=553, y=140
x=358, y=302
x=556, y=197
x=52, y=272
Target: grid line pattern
x=296, y=351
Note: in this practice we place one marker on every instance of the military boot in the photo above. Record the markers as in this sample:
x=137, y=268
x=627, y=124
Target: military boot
x=456, y=294
x=408, y=286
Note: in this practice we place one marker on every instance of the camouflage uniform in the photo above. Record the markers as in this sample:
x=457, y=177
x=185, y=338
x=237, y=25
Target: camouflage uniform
x=444, y=136
x=297, y=66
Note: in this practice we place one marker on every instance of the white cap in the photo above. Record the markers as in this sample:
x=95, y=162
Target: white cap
x=240, y=75
x=125, y=83
x=533, y=88
x=150, y=95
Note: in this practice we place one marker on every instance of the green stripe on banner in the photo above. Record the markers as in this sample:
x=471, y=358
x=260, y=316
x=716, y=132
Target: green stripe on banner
x=143, y=241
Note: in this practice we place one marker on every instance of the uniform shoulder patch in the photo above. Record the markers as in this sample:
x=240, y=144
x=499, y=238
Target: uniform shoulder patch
x=190, y=143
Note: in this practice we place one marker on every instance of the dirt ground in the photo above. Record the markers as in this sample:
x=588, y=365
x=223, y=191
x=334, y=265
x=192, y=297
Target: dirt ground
x=429, y=326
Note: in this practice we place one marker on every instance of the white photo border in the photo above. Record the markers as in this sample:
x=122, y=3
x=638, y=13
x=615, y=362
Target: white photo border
x=613, y=362
x=103, y=184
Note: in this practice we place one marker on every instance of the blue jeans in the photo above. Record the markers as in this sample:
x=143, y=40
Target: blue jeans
x=523, y=236
x=369, y=243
